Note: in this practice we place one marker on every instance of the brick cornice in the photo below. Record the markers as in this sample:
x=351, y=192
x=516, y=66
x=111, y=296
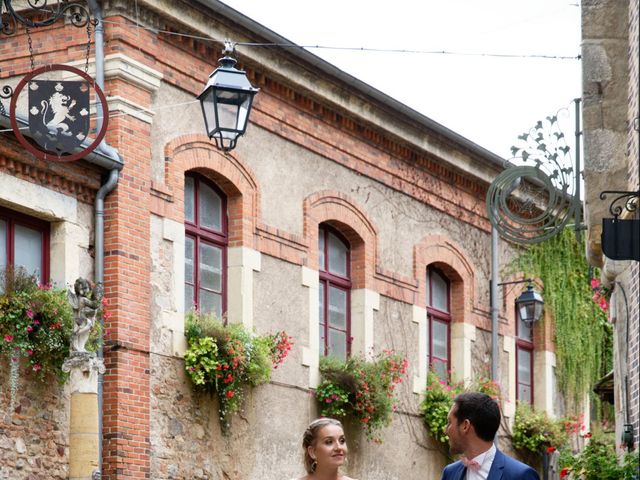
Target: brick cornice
x=56, y=176
x=322, y=111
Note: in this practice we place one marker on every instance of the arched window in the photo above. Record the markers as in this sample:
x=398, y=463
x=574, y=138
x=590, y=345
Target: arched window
x=524, y=361
x=439, y=322
x=24, y=242
x=206, y=239
x=335, y=293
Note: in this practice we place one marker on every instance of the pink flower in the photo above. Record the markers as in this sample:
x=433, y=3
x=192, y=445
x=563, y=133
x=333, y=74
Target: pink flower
x=37, y=367
x=8, y=338
x=230, y=394
x=595, y=283
x=36, y=322
x=604, y=305
x=29, y=352
x=29, y=329
x=30, y=314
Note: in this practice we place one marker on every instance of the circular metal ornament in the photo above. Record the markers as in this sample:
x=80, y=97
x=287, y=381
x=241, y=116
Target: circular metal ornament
x=48, y=155
x=521, y=219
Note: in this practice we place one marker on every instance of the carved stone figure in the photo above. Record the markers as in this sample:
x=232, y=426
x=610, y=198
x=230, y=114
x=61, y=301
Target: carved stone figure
x=85, y=302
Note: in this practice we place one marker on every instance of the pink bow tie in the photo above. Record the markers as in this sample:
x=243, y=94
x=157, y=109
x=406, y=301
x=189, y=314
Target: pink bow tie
x=470, y=464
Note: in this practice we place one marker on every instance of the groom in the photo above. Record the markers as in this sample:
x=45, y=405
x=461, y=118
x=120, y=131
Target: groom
x=472, y=425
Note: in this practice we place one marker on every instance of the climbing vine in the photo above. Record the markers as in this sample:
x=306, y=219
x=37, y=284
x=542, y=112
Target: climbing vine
x=583, y=336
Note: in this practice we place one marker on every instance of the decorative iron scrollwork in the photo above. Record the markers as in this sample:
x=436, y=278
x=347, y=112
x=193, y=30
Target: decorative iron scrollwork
x=532, y=202
x=78, y=14
x=623, y=201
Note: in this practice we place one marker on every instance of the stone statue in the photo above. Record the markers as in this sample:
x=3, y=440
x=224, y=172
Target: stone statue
x=85, y=302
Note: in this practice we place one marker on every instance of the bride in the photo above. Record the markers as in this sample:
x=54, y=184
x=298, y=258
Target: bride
x=325, y=450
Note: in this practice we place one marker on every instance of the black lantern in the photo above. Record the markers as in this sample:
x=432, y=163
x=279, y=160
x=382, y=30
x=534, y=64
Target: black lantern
x=529, y=306
x=226, y=102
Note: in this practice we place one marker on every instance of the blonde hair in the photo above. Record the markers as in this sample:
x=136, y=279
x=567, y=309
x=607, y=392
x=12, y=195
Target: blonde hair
x=310, y=436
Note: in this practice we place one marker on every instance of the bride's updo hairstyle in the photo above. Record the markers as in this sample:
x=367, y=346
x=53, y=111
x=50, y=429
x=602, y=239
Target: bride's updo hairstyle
x=311, y=436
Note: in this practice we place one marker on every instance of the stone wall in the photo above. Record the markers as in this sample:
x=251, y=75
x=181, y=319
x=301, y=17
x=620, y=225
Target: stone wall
x=34, y=438
x=634, y=184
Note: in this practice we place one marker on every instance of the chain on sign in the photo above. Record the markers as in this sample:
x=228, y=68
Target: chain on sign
x=59, y=109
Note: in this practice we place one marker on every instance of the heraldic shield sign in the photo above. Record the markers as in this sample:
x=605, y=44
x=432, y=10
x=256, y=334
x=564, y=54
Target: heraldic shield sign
x=59, y=114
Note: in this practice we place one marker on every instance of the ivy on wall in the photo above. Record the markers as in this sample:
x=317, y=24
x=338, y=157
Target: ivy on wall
x=583, y=335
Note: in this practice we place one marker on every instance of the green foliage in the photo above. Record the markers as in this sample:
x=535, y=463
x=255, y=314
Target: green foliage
x=598, y=461
x=535, y=431
x=582, y=332
x=224, y=359
x=438, y=400
x=36, y=323
x=362, y=389
x=333, y=398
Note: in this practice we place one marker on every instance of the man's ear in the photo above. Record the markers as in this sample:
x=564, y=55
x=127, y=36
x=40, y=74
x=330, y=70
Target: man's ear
x=466, y=425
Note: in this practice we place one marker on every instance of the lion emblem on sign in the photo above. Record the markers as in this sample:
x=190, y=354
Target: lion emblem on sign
x=59, y=114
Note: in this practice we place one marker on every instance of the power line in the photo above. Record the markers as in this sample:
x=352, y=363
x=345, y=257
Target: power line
x=353, y=49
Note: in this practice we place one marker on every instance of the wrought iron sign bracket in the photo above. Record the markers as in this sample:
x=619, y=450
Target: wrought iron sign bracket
x=77, y=13
x=59, y=110
x=533, y=202
x=621, y=237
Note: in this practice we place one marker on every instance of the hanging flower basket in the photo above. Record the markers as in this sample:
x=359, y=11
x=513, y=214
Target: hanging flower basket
x=36, y=323
x=225, y=359
x=362, y=389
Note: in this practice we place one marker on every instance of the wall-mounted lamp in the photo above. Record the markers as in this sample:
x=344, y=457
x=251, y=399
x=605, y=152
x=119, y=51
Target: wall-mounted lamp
x=226, y=101
x=529, y=306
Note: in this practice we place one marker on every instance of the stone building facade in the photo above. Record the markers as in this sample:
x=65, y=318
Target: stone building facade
x=324, y=152
x=611, y=128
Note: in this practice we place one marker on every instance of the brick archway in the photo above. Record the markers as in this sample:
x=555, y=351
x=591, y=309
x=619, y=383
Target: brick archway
x=341, y=212
x=195, y=152
x=452, y=260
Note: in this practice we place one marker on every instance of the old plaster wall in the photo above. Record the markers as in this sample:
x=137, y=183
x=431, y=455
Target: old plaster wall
x=276, y=414
x=265, y=442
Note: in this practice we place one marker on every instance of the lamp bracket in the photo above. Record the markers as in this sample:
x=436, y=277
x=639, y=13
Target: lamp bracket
x=525, y=280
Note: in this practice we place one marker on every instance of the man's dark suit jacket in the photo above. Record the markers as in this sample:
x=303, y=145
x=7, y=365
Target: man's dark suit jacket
x=502, y=468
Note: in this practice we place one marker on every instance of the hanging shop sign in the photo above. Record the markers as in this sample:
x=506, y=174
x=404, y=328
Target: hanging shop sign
x=620, y=237
x=59, y=114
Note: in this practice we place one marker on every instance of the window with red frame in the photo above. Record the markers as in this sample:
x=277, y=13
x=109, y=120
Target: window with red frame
x=335, y=294
x=524, y=361
x=24, y=242
x=439, y=322
x=206, y=239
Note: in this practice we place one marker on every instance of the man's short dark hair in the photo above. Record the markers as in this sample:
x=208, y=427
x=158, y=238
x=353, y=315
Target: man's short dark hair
x=481, y=410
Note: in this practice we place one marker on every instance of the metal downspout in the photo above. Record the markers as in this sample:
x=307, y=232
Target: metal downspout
x=108, y=186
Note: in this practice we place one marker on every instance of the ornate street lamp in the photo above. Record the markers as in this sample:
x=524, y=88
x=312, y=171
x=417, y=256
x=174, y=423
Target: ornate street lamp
x=226, y=102
x=529, y=306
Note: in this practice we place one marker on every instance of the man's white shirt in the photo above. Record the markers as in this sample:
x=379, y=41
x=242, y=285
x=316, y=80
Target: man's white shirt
x=485, y=460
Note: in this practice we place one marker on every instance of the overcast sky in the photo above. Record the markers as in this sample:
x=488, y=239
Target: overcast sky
x=489, y=100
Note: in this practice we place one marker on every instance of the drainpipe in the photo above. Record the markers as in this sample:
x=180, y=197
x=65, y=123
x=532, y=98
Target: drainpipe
x=108, y=186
